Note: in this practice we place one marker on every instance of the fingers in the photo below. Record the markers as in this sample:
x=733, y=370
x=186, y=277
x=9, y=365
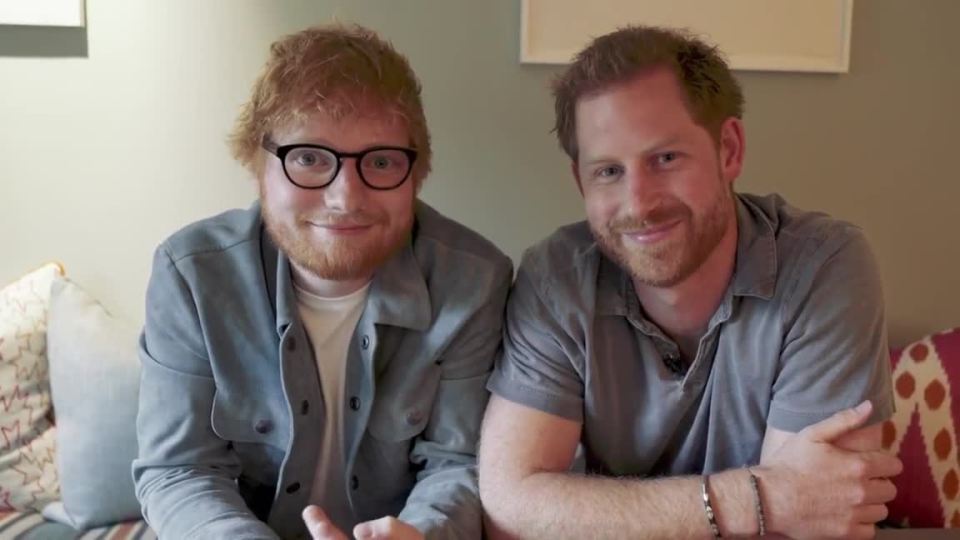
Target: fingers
x=378, y=528
x=881, y=465
x=879, y=491
x=320, y=526
x=862, y=439
x=871, y=513
x=863, y=531
x=386, y=528
x=840, y=423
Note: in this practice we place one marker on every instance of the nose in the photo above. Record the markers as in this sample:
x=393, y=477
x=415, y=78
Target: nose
x=347, y=192
x=642, y=189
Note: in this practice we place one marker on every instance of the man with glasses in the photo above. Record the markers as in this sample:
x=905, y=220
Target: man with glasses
x=316, y=364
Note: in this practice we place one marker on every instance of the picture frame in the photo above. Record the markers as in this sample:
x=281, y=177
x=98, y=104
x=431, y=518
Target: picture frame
x=755, y=35
x=62, y=13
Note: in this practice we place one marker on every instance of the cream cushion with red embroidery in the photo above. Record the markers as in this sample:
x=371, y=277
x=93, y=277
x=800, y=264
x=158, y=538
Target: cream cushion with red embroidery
x=28, y=472
x=923, y=431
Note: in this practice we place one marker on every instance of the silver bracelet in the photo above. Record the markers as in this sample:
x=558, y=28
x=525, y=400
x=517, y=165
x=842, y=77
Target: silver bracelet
x=757, y=502
x=707, y=508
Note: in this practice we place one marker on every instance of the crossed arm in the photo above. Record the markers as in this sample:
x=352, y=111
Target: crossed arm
x=829, y=480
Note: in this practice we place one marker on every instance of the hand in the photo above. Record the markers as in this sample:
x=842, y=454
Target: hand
x=813, y=487
x=320, y=526
x=386, y=528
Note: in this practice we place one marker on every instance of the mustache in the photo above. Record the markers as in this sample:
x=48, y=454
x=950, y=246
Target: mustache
x=650, y=220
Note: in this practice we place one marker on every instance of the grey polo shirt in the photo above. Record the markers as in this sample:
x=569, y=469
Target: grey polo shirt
x=799, y=334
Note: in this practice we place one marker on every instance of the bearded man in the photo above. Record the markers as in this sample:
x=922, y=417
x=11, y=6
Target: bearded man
x=316, y=364
x=721, y=357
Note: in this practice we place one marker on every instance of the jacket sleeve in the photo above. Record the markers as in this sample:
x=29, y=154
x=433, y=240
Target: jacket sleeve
x=445, y=502
x=185, y=474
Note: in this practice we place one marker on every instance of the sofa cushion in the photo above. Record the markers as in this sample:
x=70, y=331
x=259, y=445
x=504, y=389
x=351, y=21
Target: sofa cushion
x=95, y=376
x=923, y=431
x=28, y=475
x=32, y=526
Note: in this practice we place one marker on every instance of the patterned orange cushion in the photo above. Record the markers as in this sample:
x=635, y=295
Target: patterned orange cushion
x=923, y=431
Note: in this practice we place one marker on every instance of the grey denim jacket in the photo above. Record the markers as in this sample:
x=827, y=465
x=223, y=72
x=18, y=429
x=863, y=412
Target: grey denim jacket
x=230, y=404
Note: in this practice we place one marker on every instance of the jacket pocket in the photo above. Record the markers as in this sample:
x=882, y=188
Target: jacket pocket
x=248, y=421
x=401, y=416
x=256, y=436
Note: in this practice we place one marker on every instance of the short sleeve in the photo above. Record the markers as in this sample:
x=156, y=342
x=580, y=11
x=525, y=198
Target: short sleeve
x=538, y=365
x=835, y=352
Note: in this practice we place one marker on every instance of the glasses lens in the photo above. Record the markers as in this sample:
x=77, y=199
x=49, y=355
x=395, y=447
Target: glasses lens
x=310, y=167
x=385, y=168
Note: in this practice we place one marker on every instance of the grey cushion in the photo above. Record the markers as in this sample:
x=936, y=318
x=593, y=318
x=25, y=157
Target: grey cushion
x=94, y=376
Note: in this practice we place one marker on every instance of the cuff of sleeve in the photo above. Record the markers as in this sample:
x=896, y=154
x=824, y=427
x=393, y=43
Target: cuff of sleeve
x=567, y=407
x=465, y=522
x=794, y=421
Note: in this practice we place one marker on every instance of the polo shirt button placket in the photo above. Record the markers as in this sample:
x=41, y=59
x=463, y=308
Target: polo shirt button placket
x=674, y=364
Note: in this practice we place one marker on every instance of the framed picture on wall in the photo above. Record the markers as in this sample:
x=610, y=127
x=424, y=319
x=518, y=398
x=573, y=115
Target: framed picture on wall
x=42, y=12
x=761, y=35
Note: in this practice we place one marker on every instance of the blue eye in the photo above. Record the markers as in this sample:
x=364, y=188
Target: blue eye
x=667, y=158
x=309, y=158
x=381, y=162
x=608, y=172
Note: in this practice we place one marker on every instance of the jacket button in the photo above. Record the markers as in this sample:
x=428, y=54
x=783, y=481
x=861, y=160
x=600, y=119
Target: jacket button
x=263, y=426
x=293, y=488
x=291, y=344
x=365, y=342
x=354, y=482
x=414, y=417
x=355, y=403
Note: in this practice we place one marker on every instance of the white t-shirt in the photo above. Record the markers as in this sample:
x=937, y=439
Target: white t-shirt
x=330, y=323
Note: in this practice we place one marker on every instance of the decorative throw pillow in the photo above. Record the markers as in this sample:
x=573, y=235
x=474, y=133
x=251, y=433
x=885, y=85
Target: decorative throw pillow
x=28, y=475
x=923, y=431
x=95, y=376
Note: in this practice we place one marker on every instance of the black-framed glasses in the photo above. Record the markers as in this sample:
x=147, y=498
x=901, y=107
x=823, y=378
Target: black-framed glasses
x=312, y=166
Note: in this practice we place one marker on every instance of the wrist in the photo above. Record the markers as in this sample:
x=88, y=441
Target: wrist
x=733, y=502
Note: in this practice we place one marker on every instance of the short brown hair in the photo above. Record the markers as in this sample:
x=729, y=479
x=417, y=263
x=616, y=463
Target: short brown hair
x=712, y=93
x=339, y=70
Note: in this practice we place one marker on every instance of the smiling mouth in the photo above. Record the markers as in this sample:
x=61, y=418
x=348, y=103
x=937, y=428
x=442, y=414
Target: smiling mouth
x=341, y=228
x=651, y=234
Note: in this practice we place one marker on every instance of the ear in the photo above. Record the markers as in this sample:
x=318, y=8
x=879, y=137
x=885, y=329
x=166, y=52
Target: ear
x=732, y=147
x=576, y=176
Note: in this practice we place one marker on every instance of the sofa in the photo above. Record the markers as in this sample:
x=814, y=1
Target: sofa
x=69, y=380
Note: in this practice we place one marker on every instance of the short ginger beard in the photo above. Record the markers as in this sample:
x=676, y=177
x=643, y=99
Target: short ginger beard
x=342, y=259
x=672, y=262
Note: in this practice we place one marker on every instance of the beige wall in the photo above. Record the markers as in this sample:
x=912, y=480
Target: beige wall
x=104, y=154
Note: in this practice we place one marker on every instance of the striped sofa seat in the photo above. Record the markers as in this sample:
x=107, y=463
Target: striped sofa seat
x=32, y=526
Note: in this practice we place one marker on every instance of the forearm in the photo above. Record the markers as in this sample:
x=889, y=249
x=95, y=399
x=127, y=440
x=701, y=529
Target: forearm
x=194, y=503
x=564, y=505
